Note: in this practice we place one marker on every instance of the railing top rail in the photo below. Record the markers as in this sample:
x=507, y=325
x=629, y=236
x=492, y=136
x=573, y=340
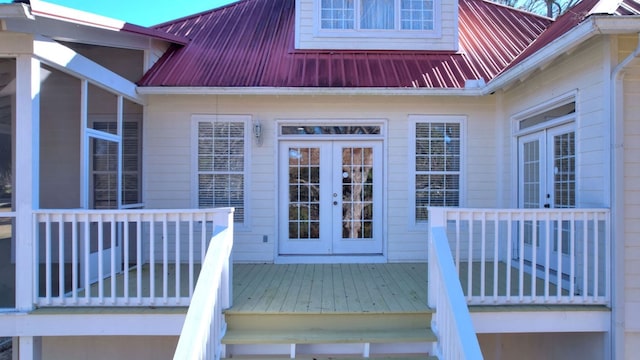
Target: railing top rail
x=224, y=210
x=500, y=210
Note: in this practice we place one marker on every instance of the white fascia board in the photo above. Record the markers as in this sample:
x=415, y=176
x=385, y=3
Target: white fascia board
x=15, y=11
x=595, y=25
x=543, y=321
x=45, y=9
x=544, y=56
x=92, y=324
x=160, y=90
x=65, y=59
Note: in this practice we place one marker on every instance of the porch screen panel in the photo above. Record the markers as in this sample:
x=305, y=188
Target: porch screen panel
x=304, y=193
x=437, y=166
x=221, y=166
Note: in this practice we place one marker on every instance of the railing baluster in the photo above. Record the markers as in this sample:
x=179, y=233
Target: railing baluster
x=470, y=261
x=483, y=255
x=47, y=258
x=75, y=261
x=496, y=256
x=139, y=258
x=585, y=265
x=100, y=258
x=572, y=258
x=113, y=252
x=61, y=245
x=559, y=252
x=607, y=244
x=165, y=260
x=125, y=261
x=547, y=255
x=521, y=265
x=178, y=256
x=191, y=240
x=152, y=258
x=534, y=256
x=509, y=254
x=596, y=255
x=87, y=262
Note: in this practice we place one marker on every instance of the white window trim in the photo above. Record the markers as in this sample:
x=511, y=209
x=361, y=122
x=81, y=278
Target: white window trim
x=436, y=32
x=382, y=123
x=411, y=172
x=195, y=119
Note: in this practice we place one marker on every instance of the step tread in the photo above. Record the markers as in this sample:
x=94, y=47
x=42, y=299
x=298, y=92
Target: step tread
x=322, y=336
x=385, y=357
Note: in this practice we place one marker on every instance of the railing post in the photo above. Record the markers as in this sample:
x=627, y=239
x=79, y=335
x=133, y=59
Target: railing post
x=436, y=219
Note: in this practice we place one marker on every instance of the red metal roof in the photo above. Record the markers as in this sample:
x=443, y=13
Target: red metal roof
x=251, y=44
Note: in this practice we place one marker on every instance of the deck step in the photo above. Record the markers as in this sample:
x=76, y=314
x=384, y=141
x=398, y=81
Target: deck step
x=386, y=357
x=290, y=322
x=327, y=336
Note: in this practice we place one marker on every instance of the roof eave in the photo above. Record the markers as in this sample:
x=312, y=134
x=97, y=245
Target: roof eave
x=15, y=11
x=282, y=91
x=594, y=25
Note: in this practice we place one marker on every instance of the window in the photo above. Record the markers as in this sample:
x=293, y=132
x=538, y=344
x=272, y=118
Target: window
x=377, y=14
x=437, y=158
x=221, y=167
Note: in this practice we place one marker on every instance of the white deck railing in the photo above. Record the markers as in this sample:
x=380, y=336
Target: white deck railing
x=529, y=256
x=204, y=325
x=121, y=257
x=451, y=321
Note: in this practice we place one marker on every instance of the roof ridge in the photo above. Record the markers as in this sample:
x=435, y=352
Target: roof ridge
x=198, y=14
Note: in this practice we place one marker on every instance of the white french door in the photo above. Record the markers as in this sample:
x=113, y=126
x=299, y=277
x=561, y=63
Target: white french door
x=331, y=197
x=547, y=179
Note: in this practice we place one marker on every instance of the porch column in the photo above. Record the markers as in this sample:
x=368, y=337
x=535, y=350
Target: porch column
x=26, y=175
x=29, y=348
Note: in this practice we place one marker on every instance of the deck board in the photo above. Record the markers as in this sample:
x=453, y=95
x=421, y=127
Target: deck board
x=330, y=288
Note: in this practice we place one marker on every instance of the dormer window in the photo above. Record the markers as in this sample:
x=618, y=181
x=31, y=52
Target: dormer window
x=377, y=25
x=374, y=15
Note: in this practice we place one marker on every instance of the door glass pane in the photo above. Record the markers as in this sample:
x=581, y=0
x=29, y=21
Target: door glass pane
x=531, y=186
x=531, y=176
x=564, y=182
x=304, y=193
x=357, y=192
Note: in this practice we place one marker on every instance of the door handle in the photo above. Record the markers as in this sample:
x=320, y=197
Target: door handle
x=546, y=206
x=335, y=203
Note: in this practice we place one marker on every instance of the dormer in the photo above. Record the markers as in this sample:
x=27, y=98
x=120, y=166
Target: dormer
x=430, y=25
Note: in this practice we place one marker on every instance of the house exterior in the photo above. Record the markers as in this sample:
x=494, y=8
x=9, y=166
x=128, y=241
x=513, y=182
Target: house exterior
x=321, y=132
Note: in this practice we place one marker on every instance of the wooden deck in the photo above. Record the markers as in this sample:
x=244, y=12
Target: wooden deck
x=330, y=288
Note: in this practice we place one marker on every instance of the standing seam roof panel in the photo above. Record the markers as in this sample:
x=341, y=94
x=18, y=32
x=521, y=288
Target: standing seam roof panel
x=250, y=43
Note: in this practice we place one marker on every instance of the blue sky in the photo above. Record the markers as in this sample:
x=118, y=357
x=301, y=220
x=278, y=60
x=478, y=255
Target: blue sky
x=141, y=12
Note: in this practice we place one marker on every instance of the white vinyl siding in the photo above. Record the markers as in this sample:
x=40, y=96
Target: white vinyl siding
x=221, y=154
x=436, y=168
